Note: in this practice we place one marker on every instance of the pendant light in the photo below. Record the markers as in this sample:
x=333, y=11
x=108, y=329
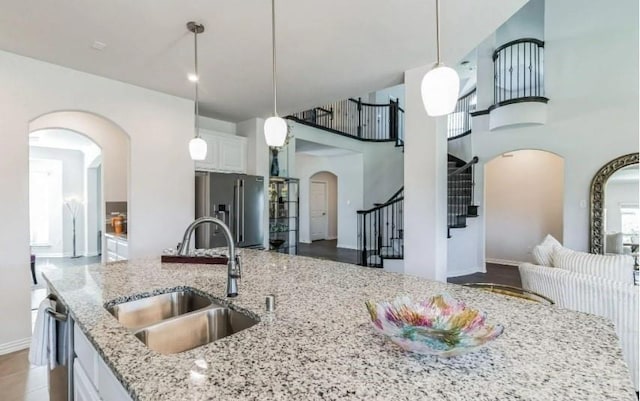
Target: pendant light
x=441, y=85
x=197, y=145
x=275, y=128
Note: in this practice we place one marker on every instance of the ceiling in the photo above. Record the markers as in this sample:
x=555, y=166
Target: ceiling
x=326, y=50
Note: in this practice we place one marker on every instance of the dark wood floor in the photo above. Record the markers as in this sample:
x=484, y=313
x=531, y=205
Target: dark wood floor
x=328, y=249
x=497, y=274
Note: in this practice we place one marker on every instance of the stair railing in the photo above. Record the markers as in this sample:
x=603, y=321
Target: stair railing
x=460, y=194
x=381, y=232
x=459, y=121
x=356, y=119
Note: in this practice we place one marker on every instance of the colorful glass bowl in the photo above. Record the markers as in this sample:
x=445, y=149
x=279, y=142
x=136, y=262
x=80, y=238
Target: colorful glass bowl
x=439, y=325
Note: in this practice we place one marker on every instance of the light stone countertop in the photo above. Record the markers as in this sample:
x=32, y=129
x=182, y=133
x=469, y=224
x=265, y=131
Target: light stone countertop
x=319, y=344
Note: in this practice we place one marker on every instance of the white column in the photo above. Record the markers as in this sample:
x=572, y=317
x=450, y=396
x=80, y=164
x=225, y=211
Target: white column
x=425, y=185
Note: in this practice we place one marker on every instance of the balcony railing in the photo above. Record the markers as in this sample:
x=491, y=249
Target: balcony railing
x=357, y=119
x=459, y=122
x=519, y=72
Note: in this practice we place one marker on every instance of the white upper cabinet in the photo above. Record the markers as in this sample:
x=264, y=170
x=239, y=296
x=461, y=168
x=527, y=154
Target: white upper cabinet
x=227, y=153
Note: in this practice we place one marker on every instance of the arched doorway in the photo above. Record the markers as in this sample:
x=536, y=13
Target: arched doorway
x=524, y=197
x=83, y=162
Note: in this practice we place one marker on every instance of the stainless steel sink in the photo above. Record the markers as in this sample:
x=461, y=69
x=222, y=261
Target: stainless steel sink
x=193, y=330
x=146, y=311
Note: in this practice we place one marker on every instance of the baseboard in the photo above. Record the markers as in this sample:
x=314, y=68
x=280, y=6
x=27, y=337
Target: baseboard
x=339, y=245
x=464, y=272
x=14, y=346
x=505, y=262
x=302, y=241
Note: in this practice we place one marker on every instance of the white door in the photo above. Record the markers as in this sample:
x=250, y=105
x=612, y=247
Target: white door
x=318, y=208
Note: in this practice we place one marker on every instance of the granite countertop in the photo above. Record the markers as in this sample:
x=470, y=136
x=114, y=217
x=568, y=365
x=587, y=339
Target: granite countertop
x=319, y=343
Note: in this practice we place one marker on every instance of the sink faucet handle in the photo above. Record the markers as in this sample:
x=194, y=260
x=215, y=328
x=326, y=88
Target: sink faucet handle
x=238, y=266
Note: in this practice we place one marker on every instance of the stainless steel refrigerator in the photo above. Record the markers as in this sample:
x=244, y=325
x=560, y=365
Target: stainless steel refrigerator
x=236, y=199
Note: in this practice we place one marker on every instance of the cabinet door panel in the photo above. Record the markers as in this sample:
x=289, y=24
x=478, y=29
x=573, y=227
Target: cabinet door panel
x=211, y=162
x=83, y=390
x=232, y=154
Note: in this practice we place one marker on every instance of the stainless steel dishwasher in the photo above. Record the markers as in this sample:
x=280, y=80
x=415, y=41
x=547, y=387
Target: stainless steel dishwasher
x=60, y=378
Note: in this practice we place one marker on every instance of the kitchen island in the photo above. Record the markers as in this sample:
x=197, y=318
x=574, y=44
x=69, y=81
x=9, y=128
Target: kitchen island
x=319, y=343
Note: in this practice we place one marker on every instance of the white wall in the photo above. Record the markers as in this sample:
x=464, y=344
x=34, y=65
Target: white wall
x=619, y=193
x=592, y=116
x=523, y=203
x=113, y=142
x=93, y=209
x=528, y=22
x=161, y=182
x=332, y=202
x=72, y=187
x=383, y=172
x=349, y=170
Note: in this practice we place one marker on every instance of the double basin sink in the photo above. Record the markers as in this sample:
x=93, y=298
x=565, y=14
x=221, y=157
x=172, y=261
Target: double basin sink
x=178, y=321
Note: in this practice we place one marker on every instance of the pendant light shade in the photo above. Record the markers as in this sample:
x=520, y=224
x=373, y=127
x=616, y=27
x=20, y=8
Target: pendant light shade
x=275, y=128
x=440, y=88
x=198, y=148
x=197, y=145
x=441, y=85
x=275, y=131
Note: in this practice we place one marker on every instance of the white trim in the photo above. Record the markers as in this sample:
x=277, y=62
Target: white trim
x=465, y=272
x=13, y=346
x=302, y=241
x=339, y=245
x=505, y=262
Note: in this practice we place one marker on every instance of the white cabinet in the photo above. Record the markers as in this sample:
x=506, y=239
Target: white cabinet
x=83, y=389
x=117, y=248
x=225, y=153
x=92, y=378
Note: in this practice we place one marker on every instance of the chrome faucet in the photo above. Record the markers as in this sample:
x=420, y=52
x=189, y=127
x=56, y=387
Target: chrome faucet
x=233, y=265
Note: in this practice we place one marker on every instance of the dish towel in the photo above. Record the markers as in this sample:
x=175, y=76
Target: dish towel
x=43, y=340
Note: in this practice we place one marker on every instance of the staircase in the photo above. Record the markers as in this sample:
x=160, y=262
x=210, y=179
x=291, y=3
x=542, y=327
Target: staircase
x=460, y=189
x=381, y=231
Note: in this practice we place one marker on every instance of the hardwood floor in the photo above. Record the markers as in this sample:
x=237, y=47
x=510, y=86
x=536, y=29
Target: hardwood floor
x=497, y=274
x=328, y=249
x=20, y=381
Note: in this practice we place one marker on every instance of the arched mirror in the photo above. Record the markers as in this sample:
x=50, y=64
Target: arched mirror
x=615, y=207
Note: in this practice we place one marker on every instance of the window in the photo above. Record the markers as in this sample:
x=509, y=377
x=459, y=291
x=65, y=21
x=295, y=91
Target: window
x=630, y=223
x=45, y=199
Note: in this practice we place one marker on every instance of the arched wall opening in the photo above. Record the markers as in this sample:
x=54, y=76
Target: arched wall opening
x=113, y=168
x=65, y=194
x=524, y=201
x=323, y=206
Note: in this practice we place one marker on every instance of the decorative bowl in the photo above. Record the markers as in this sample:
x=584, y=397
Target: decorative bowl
x=439, y=325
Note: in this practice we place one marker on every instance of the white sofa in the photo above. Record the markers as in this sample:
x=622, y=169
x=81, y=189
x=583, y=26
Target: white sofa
x=614, y=300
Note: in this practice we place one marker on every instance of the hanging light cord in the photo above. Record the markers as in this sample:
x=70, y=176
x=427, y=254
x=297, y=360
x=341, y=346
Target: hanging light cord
x=437, y=32
x=195, y=42
x=273, y=49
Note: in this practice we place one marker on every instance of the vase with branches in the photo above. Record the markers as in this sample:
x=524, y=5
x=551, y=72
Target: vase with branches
x=73, y=205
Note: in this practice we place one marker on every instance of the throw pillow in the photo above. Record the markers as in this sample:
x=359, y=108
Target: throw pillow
x=612, y=267
x=542, y=253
